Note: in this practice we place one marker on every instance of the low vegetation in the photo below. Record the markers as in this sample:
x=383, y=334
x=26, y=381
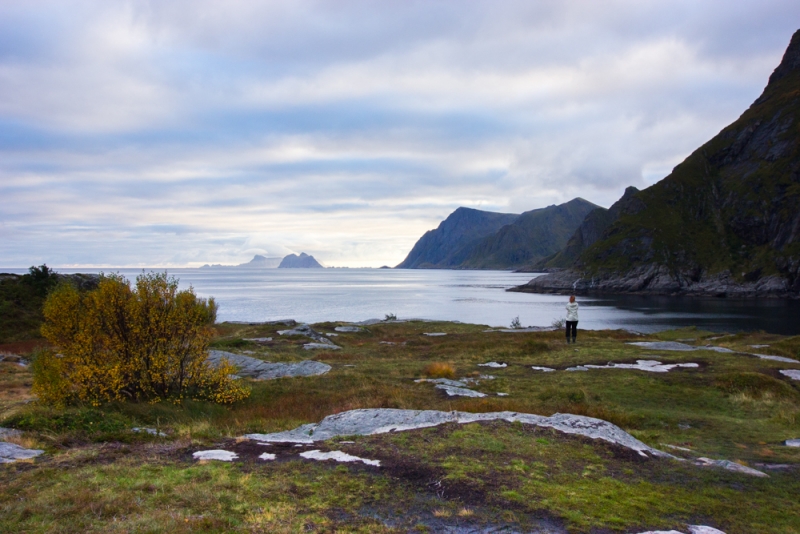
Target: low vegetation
x=99, y=476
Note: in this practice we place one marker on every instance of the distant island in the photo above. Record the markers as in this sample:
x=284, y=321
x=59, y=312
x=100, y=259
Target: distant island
x=303, y=261
x=292, y=261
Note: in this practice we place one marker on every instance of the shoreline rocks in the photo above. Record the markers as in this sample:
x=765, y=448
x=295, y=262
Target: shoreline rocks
x=654, y=279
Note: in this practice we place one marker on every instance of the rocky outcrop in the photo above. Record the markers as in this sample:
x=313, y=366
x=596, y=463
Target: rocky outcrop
x=262, y=370
x=303, y=261
x=655, y=279
x=382, y=420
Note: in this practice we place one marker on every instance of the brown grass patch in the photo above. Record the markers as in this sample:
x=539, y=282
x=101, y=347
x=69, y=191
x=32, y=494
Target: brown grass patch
x=23, y=348
x=440, y=370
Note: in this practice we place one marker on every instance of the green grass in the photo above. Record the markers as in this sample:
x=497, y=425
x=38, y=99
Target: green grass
x=99, y=477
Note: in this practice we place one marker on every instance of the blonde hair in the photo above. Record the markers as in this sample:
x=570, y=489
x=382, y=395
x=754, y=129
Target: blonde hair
x=572, y=298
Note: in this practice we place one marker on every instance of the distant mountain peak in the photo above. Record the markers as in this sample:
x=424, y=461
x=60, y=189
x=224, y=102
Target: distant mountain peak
x=303, y=261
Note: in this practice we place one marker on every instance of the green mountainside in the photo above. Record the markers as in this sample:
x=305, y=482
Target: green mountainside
x=474, y=239
x=726, y=221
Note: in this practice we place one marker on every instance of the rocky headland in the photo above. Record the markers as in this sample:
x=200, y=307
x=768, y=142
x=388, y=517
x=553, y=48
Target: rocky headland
x=725, y=222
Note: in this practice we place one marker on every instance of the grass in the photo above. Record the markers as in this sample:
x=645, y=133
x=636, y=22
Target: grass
x=97, y=476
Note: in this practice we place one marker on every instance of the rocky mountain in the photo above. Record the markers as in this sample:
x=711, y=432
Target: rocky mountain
x=725, y=222
x=436, y=248
x=588, y=233
x=303, y=261
x=258, y=262
x=473, y=239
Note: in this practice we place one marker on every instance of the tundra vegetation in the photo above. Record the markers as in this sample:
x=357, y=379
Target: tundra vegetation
x=100, y=476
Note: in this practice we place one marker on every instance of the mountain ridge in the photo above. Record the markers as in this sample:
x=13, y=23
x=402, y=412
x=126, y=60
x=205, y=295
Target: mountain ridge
x=724, y=222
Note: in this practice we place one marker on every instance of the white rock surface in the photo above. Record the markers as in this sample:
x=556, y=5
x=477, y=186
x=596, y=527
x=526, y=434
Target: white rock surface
x=337, y=456
x=663, y=345
x=794, y=374
x=453, y=391
x=215, y=454
x=258, y=339
x=776, y=358
x=792, y=442
x=495, y=365
x=10, y=452
x=577, y=368
x=267, y=456
x=702, y=529
x=348, y=329
x=651, y=366
x=434, y=334
x=151, y=431
x=731, y=466
x=661, y=532
x=758, y=346
x=261, y=370
x=543, y=369
x=381, y=420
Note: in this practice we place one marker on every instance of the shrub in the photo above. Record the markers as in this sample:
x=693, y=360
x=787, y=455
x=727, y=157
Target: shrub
x=440, y=370
x=118, y=342
x=515, y=323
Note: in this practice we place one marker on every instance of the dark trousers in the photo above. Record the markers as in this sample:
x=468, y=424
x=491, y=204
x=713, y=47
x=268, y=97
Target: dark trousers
x=572, y=325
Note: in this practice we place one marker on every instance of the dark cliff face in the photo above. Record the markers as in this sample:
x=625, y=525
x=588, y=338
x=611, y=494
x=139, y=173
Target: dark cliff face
x=733, y=206
x=588, y=233
x=472, y=239
x=436, y=248
x=534, y=235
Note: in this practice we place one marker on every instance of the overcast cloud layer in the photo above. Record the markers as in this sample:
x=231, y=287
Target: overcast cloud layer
x=188, y=132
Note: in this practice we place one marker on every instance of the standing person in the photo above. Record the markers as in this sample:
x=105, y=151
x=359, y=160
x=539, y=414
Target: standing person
x=572, y=318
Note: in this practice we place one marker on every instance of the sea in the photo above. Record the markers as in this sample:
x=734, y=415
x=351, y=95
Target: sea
x=478, y=297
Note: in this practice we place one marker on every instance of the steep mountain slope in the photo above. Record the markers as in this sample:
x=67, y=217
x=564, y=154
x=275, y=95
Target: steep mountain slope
x=465, y=225
x=726, y=221
x=533, y=235
x=589, y=232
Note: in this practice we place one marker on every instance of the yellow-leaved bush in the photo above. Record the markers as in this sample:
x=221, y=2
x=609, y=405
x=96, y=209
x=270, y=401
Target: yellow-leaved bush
x=148, y=342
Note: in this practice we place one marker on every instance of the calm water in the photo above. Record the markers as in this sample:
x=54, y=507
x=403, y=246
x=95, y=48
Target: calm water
x=315, y=295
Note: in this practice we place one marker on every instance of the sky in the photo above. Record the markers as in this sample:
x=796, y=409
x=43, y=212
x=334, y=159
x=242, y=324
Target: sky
x=179, y=133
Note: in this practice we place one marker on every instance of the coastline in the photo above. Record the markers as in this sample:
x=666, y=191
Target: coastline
x=656, y=280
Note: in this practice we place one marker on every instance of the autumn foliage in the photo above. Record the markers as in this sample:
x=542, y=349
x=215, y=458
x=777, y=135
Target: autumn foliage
x=145, y=342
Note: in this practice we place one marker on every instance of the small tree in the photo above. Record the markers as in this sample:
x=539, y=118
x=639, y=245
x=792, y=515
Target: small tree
x=117, y=342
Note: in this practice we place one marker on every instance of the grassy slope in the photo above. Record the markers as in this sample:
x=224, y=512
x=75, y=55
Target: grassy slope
x=99, y=477
x=714, y=214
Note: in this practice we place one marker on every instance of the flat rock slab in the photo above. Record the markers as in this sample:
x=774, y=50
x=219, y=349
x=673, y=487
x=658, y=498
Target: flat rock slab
x=664, y=345
x=337, y=456
x=10, y=452
x=543, y=369
x=783, y=359
x=494, y=365
x=731, y=466
x=259, y=340
x=651, y=366
x=382, y=420
x=792, y=442
x=434, y=334
x=794, y=374
x=321, y=346
x=267, y=456
x=348, y=329
x=151, y=431
x=216, y=454
x=693, y=529
x=261, y=370
x=453, y=391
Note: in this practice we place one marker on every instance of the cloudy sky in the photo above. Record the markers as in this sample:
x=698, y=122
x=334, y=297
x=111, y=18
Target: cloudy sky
x=178, y=133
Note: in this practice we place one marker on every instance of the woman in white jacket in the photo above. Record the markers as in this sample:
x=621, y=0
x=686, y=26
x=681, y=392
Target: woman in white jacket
x=572, y=318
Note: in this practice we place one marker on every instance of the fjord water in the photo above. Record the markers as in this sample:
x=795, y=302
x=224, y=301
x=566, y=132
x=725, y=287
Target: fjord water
x=315, y=295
